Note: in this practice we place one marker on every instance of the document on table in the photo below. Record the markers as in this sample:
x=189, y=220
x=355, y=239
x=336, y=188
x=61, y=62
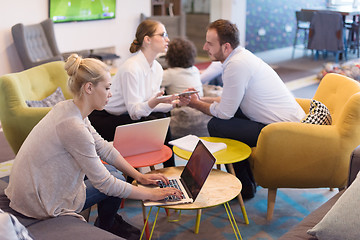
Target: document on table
x=189, y=142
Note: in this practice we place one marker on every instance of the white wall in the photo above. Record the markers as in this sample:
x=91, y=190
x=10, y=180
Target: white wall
x=232, y=10
x=118, y=32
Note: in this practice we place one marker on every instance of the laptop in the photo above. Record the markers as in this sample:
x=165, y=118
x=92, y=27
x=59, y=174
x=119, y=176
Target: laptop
x=142, y=137
x=191, y=179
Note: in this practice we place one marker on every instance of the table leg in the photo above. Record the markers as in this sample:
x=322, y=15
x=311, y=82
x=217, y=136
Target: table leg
x=232, y=220
x=197, y=224
x=239, y=197
x=146, y=224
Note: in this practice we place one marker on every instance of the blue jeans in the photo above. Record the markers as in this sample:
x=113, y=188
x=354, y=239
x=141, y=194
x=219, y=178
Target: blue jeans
x=107, y=205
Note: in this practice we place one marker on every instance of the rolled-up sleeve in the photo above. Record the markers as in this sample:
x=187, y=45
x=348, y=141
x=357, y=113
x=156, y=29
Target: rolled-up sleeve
x=233, y=90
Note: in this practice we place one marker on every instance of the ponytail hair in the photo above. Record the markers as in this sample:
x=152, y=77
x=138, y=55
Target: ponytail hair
x=145, y=28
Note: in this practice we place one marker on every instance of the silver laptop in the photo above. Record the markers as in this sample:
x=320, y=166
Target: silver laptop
x=141, y=137
x=192, y=177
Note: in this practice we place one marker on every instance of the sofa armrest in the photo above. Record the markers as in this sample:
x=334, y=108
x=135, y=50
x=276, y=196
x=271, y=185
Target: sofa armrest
x=17, y=127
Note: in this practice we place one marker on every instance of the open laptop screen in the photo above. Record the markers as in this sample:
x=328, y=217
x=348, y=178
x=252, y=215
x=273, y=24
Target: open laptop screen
x=197, y=169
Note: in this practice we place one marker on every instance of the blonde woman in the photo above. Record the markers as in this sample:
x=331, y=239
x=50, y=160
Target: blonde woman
x=47, y=178
x=136, y=85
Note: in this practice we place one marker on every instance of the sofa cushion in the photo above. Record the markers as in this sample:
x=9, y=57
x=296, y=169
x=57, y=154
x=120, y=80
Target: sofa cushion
x=68, y=227
x=342, y=221
x=62, y=227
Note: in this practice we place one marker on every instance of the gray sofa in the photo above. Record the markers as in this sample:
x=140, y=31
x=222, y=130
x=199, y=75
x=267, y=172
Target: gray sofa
x=300, y=230
x=63, y=227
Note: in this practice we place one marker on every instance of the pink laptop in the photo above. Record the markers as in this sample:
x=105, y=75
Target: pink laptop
x=142, y=137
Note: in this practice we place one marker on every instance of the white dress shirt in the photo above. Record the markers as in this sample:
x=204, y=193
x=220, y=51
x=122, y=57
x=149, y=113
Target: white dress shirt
x=252, y=85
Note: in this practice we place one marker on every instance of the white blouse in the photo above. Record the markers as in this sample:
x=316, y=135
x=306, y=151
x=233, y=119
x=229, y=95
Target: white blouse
x=133, y=85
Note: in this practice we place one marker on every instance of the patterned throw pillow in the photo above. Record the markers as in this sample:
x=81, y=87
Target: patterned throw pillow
x=50, y=101
x=318, y=114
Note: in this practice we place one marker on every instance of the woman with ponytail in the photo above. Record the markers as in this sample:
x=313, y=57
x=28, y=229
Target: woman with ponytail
x=48, y=175
x=136, y=85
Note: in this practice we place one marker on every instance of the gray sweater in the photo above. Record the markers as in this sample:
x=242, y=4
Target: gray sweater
x=47, y=178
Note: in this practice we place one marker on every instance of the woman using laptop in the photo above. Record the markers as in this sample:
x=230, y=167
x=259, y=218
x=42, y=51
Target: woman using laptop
x=47, y=178
x=136, y=85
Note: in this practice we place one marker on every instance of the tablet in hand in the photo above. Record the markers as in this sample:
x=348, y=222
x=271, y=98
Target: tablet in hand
x=188, y=93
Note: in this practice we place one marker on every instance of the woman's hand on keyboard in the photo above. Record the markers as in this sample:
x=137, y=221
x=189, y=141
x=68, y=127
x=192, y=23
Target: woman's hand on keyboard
x=153, y=179
x=154, y=194
x=162, y=193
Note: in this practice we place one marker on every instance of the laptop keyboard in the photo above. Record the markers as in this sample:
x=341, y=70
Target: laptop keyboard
x=172, y=183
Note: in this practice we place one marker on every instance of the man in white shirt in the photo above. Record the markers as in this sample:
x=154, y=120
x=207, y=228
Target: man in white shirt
x=253, y=96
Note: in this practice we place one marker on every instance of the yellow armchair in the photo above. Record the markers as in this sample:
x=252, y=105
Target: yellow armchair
x=17, y=119
x=299, y=155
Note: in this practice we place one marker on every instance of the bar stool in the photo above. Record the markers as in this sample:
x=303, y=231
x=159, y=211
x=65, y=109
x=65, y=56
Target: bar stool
x=303, y=20
x=353, y=37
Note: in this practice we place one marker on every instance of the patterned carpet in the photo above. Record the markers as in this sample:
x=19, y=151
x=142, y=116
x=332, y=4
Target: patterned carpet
x=291, y=206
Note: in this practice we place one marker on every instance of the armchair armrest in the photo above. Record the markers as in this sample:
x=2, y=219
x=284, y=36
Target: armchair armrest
x=17, y=126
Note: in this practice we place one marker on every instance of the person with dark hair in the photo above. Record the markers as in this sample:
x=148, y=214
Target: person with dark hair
x=136, y=86
x=48, y=175
x=181, y=73
x=253, y=96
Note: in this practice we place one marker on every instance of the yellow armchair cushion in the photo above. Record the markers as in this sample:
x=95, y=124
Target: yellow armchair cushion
x=17, y=119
